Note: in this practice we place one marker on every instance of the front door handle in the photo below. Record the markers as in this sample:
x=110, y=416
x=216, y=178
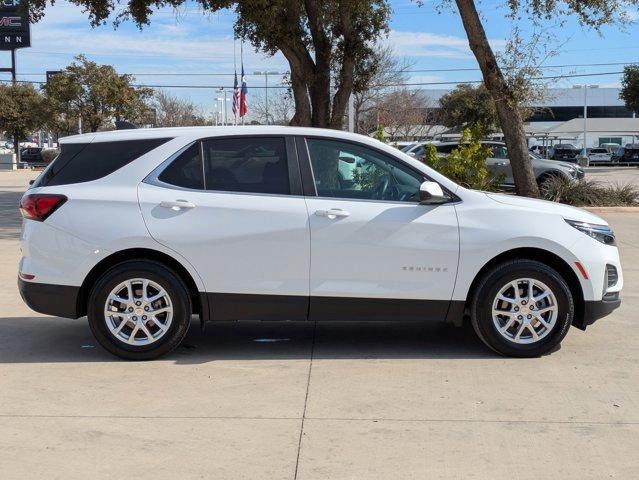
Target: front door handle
x=177, y=205
x=333, y=213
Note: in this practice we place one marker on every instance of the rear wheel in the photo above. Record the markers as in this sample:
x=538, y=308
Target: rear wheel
x=522, y=308
x=139, y=310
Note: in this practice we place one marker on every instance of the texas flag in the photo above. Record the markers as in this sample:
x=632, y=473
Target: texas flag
x=243, y=94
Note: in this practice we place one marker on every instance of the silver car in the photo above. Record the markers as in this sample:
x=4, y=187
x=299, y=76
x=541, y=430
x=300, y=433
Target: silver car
x=599, y=155
x=499, y=163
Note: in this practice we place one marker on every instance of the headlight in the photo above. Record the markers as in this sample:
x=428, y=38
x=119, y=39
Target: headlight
x=601, y=233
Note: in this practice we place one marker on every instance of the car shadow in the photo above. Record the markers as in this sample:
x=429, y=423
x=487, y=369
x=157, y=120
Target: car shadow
x=50, y=339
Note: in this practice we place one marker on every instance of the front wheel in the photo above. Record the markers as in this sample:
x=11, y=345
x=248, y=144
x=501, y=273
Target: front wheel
x=139, y=310
x=522, y=308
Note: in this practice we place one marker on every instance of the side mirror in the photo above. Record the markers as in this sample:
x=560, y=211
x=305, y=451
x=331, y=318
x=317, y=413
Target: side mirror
x=430, y=193
x=31, y=182
x=412, y=154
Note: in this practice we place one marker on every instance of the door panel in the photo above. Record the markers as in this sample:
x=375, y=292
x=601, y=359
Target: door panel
x=238, y=243
x=383, y=250
x=376, y=253
x=228, y=205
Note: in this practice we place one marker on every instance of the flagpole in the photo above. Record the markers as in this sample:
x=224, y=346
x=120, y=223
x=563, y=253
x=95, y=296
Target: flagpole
x=242, y=62
x=235, y=70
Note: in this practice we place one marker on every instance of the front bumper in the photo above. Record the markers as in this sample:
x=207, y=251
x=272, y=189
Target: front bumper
x=594, y=310
x=56, y=300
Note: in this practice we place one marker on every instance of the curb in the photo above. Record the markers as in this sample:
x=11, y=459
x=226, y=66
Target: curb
x=612, y=209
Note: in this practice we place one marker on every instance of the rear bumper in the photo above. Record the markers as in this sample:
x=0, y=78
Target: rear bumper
x=56, y=300
x=594, y=310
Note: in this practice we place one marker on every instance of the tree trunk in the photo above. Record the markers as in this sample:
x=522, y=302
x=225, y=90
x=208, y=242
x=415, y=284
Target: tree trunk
x=512, y=124
x=302, y=116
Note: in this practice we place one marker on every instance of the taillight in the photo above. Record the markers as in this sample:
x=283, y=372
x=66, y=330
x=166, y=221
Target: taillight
x=39, y=206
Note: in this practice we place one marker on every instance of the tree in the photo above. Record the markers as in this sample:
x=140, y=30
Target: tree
x=326, y=42
x=405, y=114
x=630, y=87
x=467, y=106
x=24, y=110
x=94, y=94
x=387, y=73
x=281, y=107
x=171, y=111
x=590, y=13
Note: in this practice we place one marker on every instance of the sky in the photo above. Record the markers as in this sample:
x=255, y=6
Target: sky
x=189, y=41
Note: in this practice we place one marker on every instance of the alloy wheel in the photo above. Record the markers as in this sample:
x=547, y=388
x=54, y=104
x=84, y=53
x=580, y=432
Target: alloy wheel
x=525, y=310
x=138, y=312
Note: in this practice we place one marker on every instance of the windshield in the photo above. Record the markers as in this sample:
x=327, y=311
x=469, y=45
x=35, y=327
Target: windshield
x=406, y=148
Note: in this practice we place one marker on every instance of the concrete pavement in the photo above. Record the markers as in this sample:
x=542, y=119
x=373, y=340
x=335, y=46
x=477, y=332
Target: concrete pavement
x=332, y=401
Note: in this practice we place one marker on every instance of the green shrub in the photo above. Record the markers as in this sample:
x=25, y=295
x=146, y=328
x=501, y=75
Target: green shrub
x=466, y=165
x=379, y=133
x=589, y=193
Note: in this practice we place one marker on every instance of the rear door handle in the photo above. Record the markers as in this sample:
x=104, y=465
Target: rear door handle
x=332, y=213
x=177, y=205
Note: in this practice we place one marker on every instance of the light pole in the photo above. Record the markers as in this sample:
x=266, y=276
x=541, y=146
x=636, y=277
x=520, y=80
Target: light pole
x=221, y=111
x=584, y=152
x=222, y=90
x=266, y=73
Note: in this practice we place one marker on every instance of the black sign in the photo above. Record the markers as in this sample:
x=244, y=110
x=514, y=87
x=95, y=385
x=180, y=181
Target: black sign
x=14, y=26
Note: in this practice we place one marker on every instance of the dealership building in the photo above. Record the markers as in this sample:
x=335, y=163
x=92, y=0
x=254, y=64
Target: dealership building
x=560, y=119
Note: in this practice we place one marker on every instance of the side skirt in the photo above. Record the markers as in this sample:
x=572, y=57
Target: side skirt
x=234, y=306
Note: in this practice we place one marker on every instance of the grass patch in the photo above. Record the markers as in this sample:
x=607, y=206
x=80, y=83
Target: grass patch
x=590, y=193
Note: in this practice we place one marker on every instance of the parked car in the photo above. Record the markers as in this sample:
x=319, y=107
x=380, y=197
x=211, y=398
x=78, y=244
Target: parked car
x=31, y=156
x=402, y=144
x=539, y=150
x=565, y=152
x=416, y=150
x=140, y=229
x=627, y=154
x=499, y=164
x=599, y=155
x=610, y=147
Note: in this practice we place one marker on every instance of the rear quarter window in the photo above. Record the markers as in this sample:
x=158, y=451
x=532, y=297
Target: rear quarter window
x=85, y=162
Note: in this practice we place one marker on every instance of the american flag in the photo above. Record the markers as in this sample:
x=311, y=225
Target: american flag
x=236, y=96
x=243, y=94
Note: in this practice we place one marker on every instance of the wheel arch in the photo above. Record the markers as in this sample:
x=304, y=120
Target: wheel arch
x=550, y=174
x=198, y=301
x=530, y=253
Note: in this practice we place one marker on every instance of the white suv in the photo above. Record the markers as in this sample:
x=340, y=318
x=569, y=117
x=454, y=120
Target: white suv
x=140, y=229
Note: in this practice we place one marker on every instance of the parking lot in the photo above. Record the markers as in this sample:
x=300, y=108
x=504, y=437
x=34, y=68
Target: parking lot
x=326, y=401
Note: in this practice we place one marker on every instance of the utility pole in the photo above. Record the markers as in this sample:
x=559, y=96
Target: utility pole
x=16, y=140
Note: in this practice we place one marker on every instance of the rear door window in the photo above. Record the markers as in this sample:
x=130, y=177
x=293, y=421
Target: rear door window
x=85, y=162
x=186, y=170
x=246, y=164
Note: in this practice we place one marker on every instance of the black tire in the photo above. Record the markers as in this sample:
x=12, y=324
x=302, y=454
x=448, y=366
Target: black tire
x=161, y=275
x=487, y=290
x=546, y=179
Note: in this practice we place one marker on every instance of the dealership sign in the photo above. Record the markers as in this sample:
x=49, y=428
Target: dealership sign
x=14, y=26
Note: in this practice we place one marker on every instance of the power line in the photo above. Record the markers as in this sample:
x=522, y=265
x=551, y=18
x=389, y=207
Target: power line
x=431, y=70
x=412, y=84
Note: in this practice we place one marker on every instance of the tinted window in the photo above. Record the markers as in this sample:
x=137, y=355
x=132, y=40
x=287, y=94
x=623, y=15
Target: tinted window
x=85, y=162
x=446, y=148
x=247, y=164
x=186, y=170
x=499, y=151
x=345, y=170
